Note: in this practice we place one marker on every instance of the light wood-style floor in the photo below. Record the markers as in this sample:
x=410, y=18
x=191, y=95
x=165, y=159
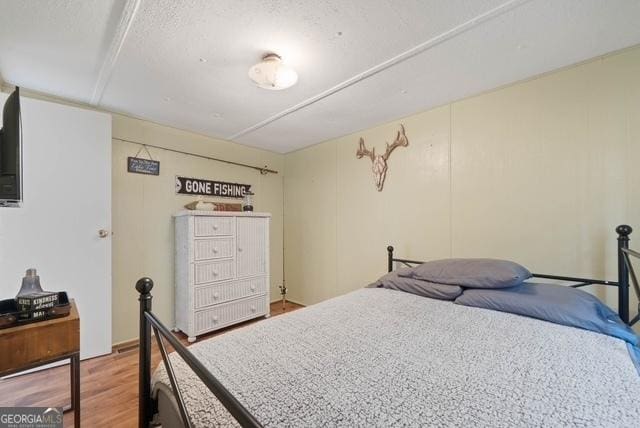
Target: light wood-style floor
x=109, y=384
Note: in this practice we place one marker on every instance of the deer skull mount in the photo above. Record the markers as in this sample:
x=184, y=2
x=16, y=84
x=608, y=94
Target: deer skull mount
x=379, y=162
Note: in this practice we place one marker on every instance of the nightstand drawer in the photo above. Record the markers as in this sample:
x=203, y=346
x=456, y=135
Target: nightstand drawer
x=226, y=291
x=214, y=226
x=230, y=313
x=213, y=248
x=211, y=271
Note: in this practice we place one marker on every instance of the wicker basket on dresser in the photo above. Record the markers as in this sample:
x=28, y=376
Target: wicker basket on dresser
x=222, y=269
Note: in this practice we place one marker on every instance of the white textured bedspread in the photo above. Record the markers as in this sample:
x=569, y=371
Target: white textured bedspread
x=385, y=358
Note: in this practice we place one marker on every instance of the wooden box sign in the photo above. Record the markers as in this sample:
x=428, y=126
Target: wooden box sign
x=33, y=308
x=196, y=186
x=37, y=300
x=143, y=166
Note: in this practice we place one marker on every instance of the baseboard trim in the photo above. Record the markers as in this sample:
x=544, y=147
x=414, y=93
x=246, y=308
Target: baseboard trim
x=125, y=345
x=288, y=301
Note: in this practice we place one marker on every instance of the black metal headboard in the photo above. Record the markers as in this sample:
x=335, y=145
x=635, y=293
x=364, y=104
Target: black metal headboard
x=625, y=272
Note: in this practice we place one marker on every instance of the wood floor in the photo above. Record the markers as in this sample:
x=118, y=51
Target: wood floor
x=109, y=384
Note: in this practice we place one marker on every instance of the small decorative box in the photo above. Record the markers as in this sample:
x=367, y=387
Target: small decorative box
x=33, y=305
x=11, y=314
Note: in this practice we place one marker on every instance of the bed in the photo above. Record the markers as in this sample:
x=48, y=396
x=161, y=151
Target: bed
x=380, y=357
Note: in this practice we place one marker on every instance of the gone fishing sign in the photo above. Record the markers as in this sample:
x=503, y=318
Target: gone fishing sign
x=198, y=186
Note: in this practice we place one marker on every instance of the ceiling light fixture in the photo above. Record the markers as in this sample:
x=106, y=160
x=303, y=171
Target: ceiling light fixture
x=272, y=74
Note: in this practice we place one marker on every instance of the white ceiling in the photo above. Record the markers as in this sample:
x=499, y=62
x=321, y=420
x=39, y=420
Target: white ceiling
x=360, y=62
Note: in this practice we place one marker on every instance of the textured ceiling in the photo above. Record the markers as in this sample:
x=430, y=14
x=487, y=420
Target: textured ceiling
x=360, y=62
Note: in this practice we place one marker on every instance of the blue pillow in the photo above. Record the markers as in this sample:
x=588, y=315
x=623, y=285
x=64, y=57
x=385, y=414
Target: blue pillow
x=471, y=273
x=394, y=281
x=554, y=303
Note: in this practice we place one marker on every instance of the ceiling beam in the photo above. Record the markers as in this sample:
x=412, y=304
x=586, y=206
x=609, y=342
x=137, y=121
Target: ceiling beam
x=111, y=58
x=416, y=50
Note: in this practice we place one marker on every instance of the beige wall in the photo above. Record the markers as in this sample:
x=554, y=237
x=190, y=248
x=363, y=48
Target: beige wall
x=539, y=172
x=143, y=241
x=142, y=207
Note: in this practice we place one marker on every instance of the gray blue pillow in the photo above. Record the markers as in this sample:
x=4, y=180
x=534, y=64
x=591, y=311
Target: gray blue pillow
x=554, y=303
x=471, y=273
x=394, y=281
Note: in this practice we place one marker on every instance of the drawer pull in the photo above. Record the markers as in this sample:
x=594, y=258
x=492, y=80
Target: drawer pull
x=215, y=318
x=215, y=273
x=215, y=251
x=215, y=296
x=253, y=308
x=253, y=288
x=215, y=227
x=239, y=249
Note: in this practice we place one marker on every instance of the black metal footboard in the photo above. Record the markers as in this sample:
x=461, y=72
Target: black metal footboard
x=628, y=253
x=149, y=322
x=625, y=271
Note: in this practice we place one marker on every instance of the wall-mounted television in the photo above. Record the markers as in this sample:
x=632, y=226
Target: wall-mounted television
x=11, y=152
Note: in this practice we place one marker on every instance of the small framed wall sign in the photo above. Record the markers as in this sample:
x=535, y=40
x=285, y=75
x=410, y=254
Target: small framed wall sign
x=143, y=166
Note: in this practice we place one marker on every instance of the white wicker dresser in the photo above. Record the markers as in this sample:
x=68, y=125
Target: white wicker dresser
x=222, y=269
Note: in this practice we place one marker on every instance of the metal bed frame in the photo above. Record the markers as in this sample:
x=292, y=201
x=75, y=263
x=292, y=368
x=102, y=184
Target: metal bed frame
x=147, y=406
x=625, y=271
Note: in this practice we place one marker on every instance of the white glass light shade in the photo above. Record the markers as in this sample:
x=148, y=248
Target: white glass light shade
x=272, y=74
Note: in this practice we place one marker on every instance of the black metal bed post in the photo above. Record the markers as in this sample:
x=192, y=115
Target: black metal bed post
x=389, y=258
x=623, y=272
x=144, y=286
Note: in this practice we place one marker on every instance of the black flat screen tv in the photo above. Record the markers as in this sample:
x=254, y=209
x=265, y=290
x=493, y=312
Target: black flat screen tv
x=11, y=152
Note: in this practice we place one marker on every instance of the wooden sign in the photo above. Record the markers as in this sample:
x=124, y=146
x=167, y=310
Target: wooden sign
x=143, y=166
x=227, y=207
x=197, y=186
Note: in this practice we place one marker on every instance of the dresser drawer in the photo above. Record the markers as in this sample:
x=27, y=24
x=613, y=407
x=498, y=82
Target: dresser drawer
x=214, y=226
x=226, y=291
x=215, y=270
x=229, y=313
x=213, y=248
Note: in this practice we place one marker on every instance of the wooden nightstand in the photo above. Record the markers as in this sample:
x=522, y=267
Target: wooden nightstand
x=36, y=344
